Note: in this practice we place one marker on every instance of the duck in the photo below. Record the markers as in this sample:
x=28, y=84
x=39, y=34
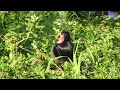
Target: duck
x=64, y=47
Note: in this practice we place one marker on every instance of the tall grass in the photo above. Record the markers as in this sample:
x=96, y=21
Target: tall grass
x=27, y=37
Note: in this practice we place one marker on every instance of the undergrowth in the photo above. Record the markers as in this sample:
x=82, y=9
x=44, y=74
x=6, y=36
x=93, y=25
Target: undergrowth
x=27, y=37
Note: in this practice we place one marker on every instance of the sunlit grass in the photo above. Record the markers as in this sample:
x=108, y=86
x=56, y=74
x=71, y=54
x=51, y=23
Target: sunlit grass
x=27, y=38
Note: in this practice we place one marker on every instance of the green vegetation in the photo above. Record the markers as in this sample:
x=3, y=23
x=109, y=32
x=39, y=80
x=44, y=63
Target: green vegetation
x=27, y=37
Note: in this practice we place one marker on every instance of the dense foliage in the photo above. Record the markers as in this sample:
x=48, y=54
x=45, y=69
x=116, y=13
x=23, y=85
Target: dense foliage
x=26, y=38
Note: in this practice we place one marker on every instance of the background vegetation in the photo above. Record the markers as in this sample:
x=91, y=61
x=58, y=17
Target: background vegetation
x=26, y=38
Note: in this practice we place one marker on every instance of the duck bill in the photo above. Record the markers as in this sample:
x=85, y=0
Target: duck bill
x=61, y=39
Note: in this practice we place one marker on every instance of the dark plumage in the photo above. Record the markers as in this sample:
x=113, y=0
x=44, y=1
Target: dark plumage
x=64, y=47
